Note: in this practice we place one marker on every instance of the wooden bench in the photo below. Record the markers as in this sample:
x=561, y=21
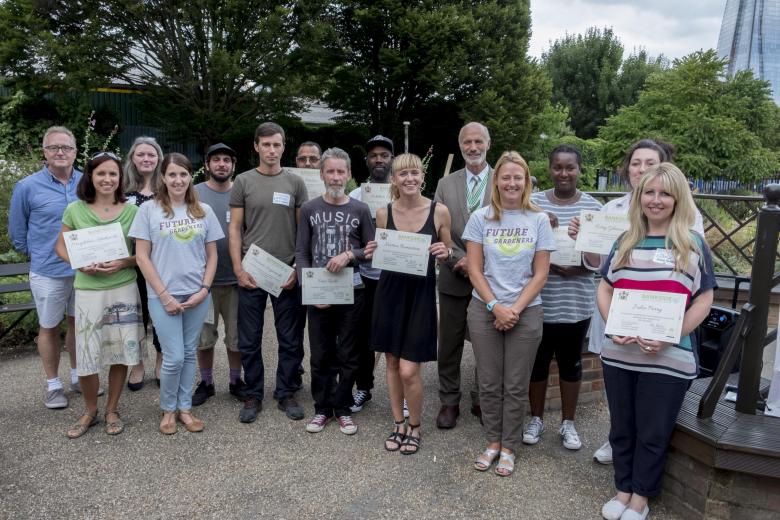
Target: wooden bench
x=6, y=271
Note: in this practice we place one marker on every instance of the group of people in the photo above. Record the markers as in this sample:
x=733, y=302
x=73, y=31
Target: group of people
x=491, y=236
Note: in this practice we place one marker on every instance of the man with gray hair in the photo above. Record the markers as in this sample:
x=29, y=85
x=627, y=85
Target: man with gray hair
x=34, y=223
x=335, y=232
x=463, y=192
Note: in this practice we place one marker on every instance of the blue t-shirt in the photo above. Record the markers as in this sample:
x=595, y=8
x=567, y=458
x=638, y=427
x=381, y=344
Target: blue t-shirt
x=178, y=245
x=508, y=247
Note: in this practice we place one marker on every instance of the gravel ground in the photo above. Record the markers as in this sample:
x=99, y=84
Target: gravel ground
x=274, y=468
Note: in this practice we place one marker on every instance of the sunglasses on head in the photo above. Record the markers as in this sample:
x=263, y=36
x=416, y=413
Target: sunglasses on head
x=110, y=155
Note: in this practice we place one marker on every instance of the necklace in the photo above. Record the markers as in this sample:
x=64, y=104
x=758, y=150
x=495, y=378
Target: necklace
x=567, y=200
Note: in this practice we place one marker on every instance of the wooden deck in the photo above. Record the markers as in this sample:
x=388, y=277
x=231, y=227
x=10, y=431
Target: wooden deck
x=729, y=440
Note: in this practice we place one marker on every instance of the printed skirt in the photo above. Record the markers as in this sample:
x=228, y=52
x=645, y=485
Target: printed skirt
x=109, y=328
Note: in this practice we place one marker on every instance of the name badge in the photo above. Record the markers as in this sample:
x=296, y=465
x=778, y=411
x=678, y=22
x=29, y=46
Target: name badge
x=227, y=216
x=282, y=198
x=663, y=256
x=356, y=280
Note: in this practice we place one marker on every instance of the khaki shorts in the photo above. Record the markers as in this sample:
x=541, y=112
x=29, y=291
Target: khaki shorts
x=54, y=297
x=224, y=300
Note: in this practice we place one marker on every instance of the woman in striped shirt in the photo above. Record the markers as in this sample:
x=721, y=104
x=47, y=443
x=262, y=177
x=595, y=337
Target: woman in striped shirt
x=567, y=298
x=646, y=380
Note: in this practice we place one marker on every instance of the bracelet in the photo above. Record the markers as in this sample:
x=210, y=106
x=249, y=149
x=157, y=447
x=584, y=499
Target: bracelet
x=492, y=303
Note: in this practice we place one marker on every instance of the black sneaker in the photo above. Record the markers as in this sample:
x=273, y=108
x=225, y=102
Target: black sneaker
x=252, y=407
x=291, y=408
x=202, y=393
x=360, y=399
x=238, y=389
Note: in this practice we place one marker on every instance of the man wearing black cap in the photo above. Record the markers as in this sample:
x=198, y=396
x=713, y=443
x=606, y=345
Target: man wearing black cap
x=220, y=165
x=379, y=159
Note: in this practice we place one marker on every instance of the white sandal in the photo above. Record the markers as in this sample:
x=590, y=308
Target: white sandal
x=506, y=464
x=486, y=459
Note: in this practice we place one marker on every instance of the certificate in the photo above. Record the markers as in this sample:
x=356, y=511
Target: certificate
x=564, y=255
x=647, y=314
x=598, y=231
x=401, y=251
x=376, y=195
x=311, y=177
x=97, y=244
x=269, y=272
x=321, y=287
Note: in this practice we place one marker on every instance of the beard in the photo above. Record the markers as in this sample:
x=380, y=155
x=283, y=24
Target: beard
x=380, y=173
x=336, y=191
x=221, y=177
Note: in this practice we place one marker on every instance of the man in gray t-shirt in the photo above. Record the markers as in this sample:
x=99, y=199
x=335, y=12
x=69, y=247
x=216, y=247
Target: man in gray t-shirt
x=220, y=165
x=264, y=207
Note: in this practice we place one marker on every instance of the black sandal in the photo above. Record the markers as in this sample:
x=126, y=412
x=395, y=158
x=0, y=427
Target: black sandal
x=411, y=441
x=397, y=438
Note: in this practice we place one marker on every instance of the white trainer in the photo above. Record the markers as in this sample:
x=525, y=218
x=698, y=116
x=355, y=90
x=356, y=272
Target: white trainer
x=571, y=439
x=603, y=455
x=533, y=432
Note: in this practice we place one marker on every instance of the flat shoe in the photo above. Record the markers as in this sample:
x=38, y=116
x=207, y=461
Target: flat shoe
x=170, y=428
x=613, y=509
x=506, y=464
x=630, y=514
x=79, y=428
x=116, y=426
x=195, y=425
x=485, y=459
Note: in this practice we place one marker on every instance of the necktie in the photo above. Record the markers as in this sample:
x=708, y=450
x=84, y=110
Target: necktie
x=474, y=199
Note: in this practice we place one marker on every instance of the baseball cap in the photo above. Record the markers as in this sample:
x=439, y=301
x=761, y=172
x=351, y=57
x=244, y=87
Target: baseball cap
x=220, y=147
x=380, y=140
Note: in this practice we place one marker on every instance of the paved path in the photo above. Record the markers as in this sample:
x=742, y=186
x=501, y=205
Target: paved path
x=275, y=469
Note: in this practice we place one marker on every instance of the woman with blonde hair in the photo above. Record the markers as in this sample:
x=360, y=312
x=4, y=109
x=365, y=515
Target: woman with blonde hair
x=646, y=380
x=404, y=322
x=177, y=252
x=508, y=246
x=142, y=171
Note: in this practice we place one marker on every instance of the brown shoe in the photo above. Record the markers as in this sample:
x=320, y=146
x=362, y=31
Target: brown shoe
x=168, y=428
x=194, y=425
x=448, y=417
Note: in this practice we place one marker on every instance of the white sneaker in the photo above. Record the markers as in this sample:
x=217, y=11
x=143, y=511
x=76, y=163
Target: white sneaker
x=406, y=410
x=603, y=455
x=533, y=432
x=571, y=440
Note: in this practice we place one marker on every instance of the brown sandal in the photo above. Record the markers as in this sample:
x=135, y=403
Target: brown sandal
x=114, y=427
x=79, y=428
x=195, y=425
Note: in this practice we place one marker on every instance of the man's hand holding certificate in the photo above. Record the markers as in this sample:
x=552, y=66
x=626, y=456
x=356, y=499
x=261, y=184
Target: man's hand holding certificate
x=269, y=272
x=401, y=251
x=95, y=245
x=646, y=314
x=321, y=287
x=599, y=230
x=376, y=195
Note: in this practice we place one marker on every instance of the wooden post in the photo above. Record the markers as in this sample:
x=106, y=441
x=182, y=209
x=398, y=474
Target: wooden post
x=449, y=165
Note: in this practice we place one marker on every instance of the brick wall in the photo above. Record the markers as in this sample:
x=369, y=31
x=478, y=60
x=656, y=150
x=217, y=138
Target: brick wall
x=695, y=491
x=592, y=388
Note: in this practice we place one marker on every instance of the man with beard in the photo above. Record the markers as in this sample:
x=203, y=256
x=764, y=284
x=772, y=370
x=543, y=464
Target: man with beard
x=334, y=233
x=379, y=159
x=308, y=155
x=220, y=165
x=463, y=192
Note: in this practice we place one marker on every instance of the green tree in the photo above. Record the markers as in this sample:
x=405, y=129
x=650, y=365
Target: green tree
x=722, y=127
x=590, y=77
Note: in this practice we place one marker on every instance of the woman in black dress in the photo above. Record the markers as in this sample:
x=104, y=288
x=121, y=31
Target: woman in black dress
x=404, y=323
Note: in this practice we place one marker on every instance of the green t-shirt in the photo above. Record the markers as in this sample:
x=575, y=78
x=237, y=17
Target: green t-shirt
x=78, y=216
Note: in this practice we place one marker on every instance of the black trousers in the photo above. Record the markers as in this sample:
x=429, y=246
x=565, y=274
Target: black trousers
x=334, y=355
x=364, y=379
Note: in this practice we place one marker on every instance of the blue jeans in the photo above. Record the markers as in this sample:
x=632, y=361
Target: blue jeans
x=290, y=319
x=178, y=338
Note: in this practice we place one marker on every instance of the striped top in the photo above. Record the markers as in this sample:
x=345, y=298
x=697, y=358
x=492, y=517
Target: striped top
x=567, y=299
x=647, y=271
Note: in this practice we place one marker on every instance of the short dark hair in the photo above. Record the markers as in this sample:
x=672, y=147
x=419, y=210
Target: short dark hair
x=309, y=143
x=664, y=153
x=268, y=129
x=566, y=148
x=85, y=190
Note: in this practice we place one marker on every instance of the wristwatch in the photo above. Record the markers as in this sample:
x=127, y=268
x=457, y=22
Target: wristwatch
x=491, y=304
x=207, y=287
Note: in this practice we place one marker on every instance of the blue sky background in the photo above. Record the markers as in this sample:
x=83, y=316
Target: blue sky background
x=673, y=28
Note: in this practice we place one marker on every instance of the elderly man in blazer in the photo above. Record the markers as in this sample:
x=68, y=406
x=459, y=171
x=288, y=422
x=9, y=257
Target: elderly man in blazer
x=463, y=192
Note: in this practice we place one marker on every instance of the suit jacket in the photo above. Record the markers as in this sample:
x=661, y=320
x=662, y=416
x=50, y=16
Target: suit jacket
x=451, y=191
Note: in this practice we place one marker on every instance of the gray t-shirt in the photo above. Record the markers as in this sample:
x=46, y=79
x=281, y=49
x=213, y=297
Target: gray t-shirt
x=269, y=203
x=327, y=230
x=178, y=245
x=220, y=203
x=508, y=246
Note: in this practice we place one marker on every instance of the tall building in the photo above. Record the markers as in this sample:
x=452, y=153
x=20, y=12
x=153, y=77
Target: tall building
x=750, y=39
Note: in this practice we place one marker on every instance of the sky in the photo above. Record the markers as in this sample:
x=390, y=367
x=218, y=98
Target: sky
x=673, y=28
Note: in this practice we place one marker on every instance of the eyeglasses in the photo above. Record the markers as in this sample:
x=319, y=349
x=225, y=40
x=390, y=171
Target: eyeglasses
x=307, y=159
x=55, y=148
x=110, y=155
